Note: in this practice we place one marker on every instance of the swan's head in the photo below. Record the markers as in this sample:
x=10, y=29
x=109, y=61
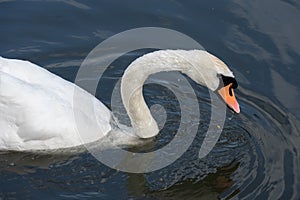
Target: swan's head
x=226, y=88
x=210, y=71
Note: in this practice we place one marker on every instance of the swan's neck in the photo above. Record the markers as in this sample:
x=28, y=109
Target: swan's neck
x=142, y=122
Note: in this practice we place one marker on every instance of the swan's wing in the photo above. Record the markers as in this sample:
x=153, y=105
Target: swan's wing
x=27, y=71
x=36, y=112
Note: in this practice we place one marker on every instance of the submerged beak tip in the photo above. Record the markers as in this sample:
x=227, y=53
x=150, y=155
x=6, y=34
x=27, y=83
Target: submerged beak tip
x=237, y=109
x=235, y=106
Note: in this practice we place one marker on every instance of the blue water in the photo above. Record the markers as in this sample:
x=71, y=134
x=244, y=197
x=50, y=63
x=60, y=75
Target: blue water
x=257, y=155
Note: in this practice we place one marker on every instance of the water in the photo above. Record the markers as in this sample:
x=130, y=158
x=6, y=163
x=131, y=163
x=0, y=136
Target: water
x=257, y=155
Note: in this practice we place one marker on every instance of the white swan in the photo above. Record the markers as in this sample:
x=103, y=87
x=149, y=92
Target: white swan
x=36, y=106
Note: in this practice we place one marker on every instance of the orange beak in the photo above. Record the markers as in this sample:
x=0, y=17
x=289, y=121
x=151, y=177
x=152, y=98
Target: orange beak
x=227, y=94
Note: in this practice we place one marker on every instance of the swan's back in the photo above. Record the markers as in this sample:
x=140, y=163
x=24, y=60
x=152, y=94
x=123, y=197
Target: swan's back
x=36, y=110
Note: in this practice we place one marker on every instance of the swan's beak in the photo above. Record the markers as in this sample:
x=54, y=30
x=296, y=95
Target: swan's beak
x=227, y=95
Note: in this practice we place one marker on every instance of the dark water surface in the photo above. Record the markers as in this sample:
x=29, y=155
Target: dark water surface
x=257, y=155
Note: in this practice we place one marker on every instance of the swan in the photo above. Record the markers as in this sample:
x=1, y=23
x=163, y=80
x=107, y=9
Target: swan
x=36, y=106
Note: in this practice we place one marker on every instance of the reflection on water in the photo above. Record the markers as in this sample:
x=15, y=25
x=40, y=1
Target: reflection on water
x=209, y=188
x=273, y=133
x=257, y=155
x=277, y=20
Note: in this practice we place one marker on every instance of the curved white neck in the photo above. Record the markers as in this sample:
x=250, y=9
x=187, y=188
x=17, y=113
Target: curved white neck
x=143, y=124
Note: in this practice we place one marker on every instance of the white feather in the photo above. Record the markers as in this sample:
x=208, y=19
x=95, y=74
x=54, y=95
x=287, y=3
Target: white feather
x=37, y=109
